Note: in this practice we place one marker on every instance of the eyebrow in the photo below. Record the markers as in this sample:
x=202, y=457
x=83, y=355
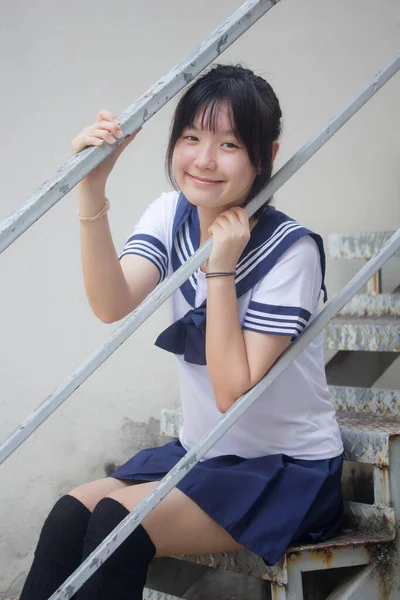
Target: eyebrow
x=221, y=132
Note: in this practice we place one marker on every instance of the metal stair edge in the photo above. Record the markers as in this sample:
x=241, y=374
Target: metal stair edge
x=372, y=305
x=349, y=549
x=357, y=245
x=373, y=334
x=365, y=437
x=149, y=594
x=380, y=402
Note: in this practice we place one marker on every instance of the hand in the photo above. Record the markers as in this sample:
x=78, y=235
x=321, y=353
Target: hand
x=230, y=235
x=106, y=129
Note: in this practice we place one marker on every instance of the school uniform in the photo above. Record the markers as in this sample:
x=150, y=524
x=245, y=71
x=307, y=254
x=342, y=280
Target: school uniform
x=275, y=477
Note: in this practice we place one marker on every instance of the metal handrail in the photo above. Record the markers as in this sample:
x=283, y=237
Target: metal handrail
x=165, y=289
x=132, y=118
x=77, y=168
x=188, y=462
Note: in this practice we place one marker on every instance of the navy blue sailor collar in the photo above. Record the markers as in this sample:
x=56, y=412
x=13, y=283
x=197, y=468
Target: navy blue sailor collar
x=273, y=234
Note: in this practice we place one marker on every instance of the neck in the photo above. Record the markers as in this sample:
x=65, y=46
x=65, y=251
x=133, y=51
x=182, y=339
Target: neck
x=207, y=217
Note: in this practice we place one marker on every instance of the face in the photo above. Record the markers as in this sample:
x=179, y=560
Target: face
x=212, y=170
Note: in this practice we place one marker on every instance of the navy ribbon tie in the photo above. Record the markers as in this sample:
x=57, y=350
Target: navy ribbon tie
x=187, y=336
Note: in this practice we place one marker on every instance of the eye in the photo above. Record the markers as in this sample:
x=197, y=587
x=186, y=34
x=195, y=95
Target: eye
x=230, y=145
x=191, y=138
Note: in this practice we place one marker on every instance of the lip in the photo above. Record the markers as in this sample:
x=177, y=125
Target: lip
x=201, y=181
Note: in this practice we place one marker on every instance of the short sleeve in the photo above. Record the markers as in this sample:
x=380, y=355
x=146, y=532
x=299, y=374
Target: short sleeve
x=284, y=300
x=150, y=236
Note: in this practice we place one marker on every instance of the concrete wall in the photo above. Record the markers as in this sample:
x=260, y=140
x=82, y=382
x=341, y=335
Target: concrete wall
x=61, y=63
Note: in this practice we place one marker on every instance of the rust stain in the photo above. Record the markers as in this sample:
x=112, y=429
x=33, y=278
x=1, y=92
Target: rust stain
x=383, y=476
x=294, y=557
x=383, y=556
x=316, y=555
x=275, y=591
x=270, y=576
x=328, y=558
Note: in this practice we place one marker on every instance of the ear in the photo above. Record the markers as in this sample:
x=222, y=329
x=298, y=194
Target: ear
x=275, y=148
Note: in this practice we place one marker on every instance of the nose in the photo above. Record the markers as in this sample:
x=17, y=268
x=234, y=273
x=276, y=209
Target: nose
x=205, y=157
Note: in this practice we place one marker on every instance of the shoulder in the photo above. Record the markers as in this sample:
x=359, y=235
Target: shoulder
x=295, y=279
x=301, y=261
x=304, y=250
x=166, y=203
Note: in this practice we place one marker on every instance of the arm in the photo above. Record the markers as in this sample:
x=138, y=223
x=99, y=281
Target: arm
x=236, y=359
x=281, y=305
x=114, y=288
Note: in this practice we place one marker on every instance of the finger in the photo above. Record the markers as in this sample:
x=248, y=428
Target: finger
x=215, y=227
x=111, y=127
x=105, y=115
x=241, y=215
x=94, y=141
x=228, y=219
x=97, y=137
x=81, y=142
x=102, y=134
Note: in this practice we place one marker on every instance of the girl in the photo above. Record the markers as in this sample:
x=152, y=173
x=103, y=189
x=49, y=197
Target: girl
x=275, y=477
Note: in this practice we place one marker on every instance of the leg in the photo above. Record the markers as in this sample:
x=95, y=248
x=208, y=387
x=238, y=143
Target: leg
x=59, y=549
x=91, y=493
x=176, y=526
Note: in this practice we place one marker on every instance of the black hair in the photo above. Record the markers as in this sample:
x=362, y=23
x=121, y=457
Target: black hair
x=254, y=112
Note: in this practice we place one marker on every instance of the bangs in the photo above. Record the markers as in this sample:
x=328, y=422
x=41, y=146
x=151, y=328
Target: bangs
x=208, y=112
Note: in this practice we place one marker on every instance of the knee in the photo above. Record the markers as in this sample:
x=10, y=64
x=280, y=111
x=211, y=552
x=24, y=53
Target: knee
x=67, y=521
x=92, y=492
x=107, y=515
x=66, y=511
x=118, y=496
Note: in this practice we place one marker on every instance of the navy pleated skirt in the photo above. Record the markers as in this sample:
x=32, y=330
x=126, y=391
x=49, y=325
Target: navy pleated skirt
x=266, y=504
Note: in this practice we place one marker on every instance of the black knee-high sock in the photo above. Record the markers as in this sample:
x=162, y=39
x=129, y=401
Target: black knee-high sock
x=123, y=575
x=59, y=549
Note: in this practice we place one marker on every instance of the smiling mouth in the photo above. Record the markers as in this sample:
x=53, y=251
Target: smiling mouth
x=204, y=181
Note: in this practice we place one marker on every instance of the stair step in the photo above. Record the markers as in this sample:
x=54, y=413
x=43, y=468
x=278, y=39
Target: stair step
x=372, y=305
x=369, y=401
x=149, y=594
x=365, y=437
x=376, y=519
x=349, y=549
x=374, y=334
x=170, y=422
x=357, y=245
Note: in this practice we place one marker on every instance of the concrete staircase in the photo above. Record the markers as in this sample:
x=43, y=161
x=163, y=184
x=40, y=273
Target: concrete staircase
x=370, y=425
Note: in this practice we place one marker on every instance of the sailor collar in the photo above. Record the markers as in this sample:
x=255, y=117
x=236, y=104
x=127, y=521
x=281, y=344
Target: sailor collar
x=272, y=235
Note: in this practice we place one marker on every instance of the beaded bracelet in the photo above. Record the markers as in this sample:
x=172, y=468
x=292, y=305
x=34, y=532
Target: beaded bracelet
x=220, y=274
x=103, y=212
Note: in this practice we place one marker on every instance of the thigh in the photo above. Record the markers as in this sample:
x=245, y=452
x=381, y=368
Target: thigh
x=177, y=525
x=92, y=492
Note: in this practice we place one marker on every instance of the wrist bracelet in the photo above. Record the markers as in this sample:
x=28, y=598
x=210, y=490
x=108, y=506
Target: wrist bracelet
x=103, y=212
x=220, y=274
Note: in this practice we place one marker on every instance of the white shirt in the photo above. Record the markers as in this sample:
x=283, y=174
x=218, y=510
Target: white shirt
x=294, y=416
